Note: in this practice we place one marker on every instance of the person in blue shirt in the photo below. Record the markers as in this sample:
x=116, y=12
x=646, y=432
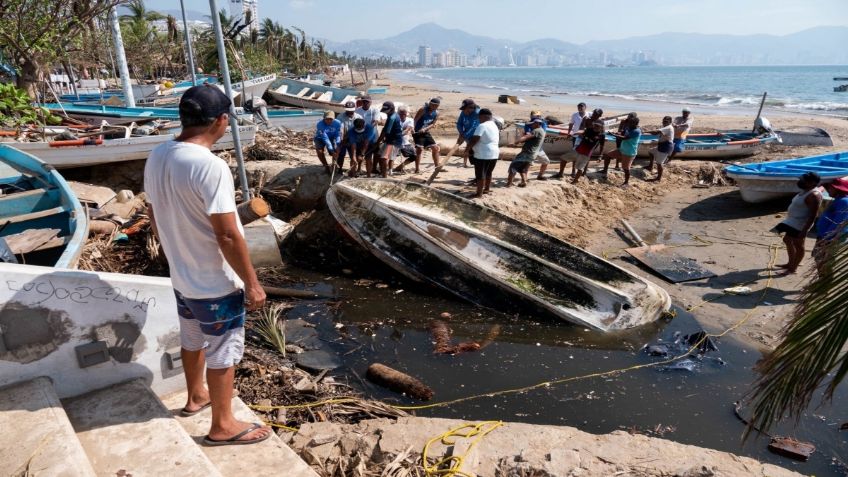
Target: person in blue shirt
x=466, y=123
x=328, y=135
x=425, y=119
x=362, y=141
x=391, y=139
x=832, y=224
x=626, y=152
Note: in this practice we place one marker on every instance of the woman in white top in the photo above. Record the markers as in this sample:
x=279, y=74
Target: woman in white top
x=483, y=151
x=665, y=144
x=799, y=219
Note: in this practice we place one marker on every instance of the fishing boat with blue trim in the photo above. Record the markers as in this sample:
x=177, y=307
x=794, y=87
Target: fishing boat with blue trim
x=291, y=92
x=41, y=220
x=765, y=181
x=718, y=145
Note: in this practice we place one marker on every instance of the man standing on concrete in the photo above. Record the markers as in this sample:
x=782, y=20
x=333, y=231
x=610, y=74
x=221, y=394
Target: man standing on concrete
x=682, y=126
x=193, y=211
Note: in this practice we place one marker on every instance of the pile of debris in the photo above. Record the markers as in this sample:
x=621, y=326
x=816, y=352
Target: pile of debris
x=130, y=248
x=271, y=145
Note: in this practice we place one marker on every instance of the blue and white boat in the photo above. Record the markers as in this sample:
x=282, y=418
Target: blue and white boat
x=771, y=180
x=41, y=219
x=718, y=145
x=301, y=94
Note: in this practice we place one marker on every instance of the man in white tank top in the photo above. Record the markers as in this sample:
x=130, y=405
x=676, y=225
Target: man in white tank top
x=800, y=217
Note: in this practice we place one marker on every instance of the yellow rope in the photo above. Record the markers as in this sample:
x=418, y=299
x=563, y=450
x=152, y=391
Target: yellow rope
x=451, y=466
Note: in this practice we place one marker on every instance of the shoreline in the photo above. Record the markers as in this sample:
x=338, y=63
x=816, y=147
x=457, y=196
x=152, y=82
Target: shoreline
x=607, y=101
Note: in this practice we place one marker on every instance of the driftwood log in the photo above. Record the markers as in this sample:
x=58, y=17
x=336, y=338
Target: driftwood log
x=399, y=382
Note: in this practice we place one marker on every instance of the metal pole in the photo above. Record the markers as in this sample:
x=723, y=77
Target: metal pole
x=121, y=57
x=188, y=47
x=762, y=103
x=228, y=89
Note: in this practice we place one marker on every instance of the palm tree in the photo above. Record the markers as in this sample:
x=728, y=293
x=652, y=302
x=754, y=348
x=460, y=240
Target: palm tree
x=814, y=344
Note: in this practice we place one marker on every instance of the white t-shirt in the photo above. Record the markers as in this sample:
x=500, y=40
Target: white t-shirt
x=666, y=133
x=347, y=121
x=186, y=183
x=407, y=123
x=487, y=146
x=370, y=115
x=577, y=121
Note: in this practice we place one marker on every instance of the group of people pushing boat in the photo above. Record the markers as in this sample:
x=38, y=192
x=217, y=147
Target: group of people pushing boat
x=404, y=139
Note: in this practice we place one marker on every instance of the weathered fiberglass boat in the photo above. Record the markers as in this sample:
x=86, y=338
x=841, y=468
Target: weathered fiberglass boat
x=488, y=258
x=765, y=181
x=41, y=220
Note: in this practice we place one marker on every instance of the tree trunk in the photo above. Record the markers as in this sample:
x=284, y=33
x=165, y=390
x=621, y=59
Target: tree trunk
x=28, y=78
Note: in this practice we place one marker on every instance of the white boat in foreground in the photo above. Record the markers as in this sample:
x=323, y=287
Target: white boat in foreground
x=92, y=152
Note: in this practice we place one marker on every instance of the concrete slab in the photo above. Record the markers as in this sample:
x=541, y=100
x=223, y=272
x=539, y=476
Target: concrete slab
x=37, y=437
x=126, y=427
x=271, y=457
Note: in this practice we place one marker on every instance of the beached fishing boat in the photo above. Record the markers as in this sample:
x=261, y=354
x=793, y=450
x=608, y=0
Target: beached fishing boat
x=772, y=180
x=719, y=145
x=557, y=141
x=292, y=92
x=41, y=220
x=488, y=258
x=92, y=151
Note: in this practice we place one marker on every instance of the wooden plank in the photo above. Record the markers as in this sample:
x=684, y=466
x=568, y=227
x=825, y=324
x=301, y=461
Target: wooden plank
x=92, y=195
x=30, y=240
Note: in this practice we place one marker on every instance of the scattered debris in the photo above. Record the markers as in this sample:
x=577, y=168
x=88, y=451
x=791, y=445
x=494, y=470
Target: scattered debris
x=442, y=340
x=399, y=382
x=738, y=290
x=788, y=447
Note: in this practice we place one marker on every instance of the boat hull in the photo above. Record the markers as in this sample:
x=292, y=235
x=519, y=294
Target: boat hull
x=116, y=150
x=760, y=182
x=490, y=259
x=702, y=146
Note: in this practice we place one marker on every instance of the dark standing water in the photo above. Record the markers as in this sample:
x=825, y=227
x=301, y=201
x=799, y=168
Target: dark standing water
x=389, y=326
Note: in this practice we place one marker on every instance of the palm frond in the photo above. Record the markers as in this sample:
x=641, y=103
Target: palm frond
x=812, y=347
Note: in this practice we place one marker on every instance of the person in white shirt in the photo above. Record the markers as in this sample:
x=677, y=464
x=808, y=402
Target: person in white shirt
x=371, y=114
x=191, y=204
x=407, y=150
x=576, y=122
x=482, y=149
x=665, y=145
x=347, y=118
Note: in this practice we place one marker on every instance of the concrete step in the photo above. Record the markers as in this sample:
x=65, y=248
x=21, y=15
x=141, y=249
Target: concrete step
x=126, y=427
x=37, y=438
x=270, y=457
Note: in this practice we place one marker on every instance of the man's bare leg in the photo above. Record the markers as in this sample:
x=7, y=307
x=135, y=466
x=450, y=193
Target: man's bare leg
x=323, y=160
x=224, y=424
x=194, y=363
x=434, y=150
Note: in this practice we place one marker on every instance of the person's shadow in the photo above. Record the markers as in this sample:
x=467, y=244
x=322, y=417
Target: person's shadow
x=771, y=295
x=730, y=206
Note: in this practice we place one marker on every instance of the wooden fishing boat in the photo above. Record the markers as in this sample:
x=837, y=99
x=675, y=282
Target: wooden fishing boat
x=292, y=92
x=557, y=141
x=765, y=181
x=92, y=151
x=488, y=258
x=718, y=145
x=41, y=220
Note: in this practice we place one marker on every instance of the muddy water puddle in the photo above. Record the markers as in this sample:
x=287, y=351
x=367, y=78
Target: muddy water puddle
x=688, y=401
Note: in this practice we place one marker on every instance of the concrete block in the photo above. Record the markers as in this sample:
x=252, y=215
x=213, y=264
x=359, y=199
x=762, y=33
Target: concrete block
x=270, y=457
x=126, y=427
x=37, y=434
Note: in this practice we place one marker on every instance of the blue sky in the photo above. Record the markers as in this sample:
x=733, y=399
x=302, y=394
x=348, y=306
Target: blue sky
x=568, y=20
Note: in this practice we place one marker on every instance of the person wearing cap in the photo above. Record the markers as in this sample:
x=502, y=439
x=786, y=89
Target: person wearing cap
x=466, y=123
x=531, y=144
x=682, y=127
x=362, y=140
x=576, y=122
x=665, y=144
x=626, y=152
x=328, y=135
x=407, y=150
x=391, y=139
x=425, y=118
x=591, y=137
x=371, y=114
x=800, y=218
x=482, y=150
x=346, y=119
x=192, y=208
x=541, y=156
x=831, y=225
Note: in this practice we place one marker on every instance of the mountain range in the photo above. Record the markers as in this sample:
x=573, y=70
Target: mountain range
x=820, y=45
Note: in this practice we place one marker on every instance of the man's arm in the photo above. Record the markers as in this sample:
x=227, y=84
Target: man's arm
x=470, y=145
x=523, y=138
x=813, y=202
x=234, y=249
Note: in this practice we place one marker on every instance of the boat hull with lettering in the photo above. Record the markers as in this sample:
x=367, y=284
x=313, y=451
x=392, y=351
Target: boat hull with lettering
x=41, y=220
x=488, y=258
x=719, y=145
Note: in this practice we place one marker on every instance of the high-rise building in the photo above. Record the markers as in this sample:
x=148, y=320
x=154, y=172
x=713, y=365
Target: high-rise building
x=425, y=56
x=241, y=9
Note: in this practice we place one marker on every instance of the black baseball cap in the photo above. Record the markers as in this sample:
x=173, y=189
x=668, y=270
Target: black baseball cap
x=202, y=103
x=436, y=101
x=387, y=106
x=485, y=112
x=467, y=102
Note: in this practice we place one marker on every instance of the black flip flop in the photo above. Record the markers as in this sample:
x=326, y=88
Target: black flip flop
x=234, y=441
x=186, y=413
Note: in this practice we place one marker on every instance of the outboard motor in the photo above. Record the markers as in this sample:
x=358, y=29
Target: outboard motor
x=763, y=126
x=259, y=108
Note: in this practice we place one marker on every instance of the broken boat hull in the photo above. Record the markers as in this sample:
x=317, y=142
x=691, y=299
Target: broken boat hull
x=488, y=258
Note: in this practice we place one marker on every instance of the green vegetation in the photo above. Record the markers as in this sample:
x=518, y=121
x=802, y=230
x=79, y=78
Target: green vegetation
x=271, y=328
x=16, y=109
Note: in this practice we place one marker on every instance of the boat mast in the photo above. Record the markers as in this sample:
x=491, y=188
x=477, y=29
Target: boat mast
x=189, y=53
x=228, y=89
x=121, y=57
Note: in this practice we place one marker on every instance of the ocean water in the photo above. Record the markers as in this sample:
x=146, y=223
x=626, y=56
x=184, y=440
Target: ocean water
x=790, y=88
